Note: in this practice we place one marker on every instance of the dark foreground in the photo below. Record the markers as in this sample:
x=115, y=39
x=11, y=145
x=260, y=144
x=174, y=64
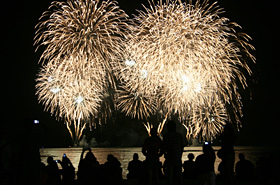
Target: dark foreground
x=196, y=182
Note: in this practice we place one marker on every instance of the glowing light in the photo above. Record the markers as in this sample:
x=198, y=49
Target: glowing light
x=81, y=39
x=50, y=79
x=55, y=90
x=185, y=79
x=185, y=87
x=144, y=73
x=198, y=88
x=130, y=62
x=134, y=103
x=79, y=99
x=194, y=58
x=189, y=62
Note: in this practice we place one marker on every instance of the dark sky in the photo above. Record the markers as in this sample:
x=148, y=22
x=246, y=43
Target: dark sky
x=19, y=65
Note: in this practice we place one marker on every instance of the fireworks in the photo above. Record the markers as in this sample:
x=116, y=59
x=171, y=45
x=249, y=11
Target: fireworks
x=81, y=38
x=176, y=58
x=207, y=120
x=190, y=60
x=82, y=27
x=135, y=104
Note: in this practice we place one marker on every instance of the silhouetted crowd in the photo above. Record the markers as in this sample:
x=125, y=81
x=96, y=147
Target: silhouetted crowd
x=197, y=170
x=89, y=171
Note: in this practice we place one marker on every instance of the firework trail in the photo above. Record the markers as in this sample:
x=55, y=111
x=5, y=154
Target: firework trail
x=187, y=56
x=81, y=39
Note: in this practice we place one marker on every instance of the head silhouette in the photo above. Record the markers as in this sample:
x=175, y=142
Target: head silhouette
x=50, y=160
x=90, y=156
x=241, y=156
x=135, y=156
x=171, y=126
x=190, y=156
x=207, y=149
x=153, y=132
x=110, y=157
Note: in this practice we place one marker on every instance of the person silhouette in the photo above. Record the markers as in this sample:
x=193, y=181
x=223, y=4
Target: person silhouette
x=68, y=170
x=228, y=138
x=134, y=167
x=221, y=168
x=152, y=149
x=244, y=168
x=88, y=168
x=53, y=172
x=205, y=165
x=189, y=167
x=173, y=150
x=112, y=171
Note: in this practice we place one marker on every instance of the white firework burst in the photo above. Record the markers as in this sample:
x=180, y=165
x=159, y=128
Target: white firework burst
x=186, y=54
x=81, y=40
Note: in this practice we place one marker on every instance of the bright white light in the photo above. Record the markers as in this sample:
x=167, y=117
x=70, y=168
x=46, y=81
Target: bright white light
x=185, y=79
x=198, y=88
x=212, y=120
x=50, y=79
x=130, y=63
x=55, y=90
x=79, y=99
x=185, y=87
x=144, y=73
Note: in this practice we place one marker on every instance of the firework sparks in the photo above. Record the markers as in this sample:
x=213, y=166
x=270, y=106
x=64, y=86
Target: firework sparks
x=135, y=104
x=176, y=57
x=207, y=120
x=185, y=55
x=82, y=38
x=71, y=89
x=82, y=27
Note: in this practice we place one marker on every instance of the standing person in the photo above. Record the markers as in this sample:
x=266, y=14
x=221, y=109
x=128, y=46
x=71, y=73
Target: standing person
x=228, y=138
x=88, y=168
x=189, y=167
x=205, y=165
x=134, y=167
x=152, y=149
x=112, y=171
x=173, y=145
x=244, y=168
x=53, y=172
x=68, y=170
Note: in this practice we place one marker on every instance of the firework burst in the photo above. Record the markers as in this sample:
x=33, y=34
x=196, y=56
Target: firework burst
x=71, y=88
x=81, y=39
x=134, y=104
x=207, y=120
x=187, y=55
x=82, y=27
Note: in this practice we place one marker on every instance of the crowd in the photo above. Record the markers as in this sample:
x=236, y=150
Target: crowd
x=197, y=170
x=89, y=171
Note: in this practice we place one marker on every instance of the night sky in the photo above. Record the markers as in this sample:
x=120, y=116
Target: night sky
x=19, y=66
